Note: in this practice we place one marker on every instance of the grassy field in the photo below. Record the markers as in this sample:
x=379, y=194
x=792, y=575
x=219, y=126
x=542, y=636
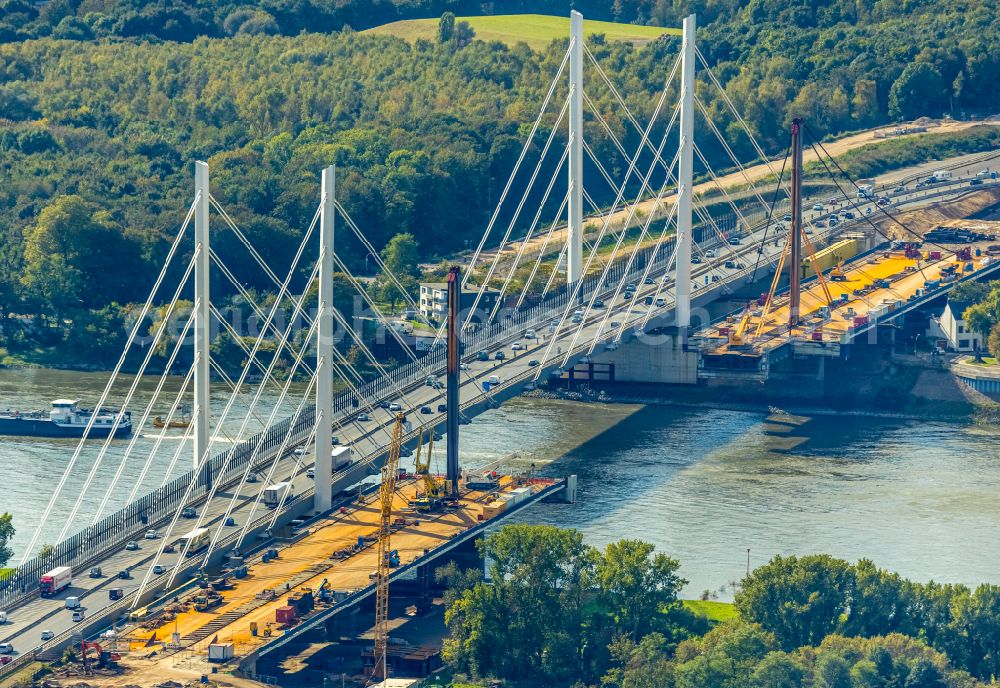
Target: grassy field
x=537, y=30
x=716, y=612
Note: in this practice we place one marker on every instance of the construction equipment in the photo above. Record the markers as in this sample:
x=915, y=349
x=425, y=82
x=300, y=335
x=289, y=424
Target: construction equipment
x=105, y=659
x=434, y=491
x=837, y=273
x=736, y=336
x=206, y=601
x=387, y=491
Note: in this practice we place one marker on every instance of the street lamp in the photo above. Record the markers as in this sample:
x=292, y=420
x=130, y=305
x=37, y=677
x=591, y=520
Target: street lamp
x=748, y=562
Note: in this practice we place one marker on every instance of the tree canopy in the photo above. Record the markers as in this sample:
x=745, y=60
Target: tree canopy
x=6, y=535
x=554, y=611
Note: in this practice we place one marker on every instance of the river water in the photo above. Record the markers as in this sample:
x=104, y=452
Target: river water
x=702, y=485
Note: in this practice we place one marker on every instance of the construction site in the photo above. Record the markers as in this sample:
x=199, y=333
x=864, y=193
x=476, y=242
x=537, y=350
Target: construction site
x=326, y=579
x=834, y=295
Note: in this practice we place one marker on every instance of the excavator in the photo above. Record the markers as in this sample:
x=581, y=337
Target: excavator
x=434, y=489
x=105, y=659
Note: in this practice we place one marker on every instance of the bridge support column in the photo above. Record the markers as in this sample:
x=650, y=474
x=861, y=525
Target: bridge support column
x=324, y=347
x=574, y=233
x=202, y=323
x=685, y=180
x=453, y=382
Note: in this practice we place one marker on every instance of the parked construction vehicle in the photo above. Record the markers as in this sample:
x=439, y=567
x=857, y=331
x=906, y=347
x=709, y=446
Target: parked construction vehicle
x=207, y=600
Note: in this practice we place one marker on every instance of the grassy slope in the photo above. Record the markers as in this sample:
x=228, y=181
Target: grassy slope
x=537, y=30
x=716, y=612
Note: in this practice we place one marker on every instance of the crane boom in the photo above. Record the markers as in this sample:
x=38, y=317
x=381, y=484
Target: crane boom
x=387, y=491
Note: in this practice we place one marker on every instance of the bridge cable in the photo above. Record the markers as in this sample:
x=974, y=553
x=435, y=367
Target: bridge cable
x=136, y=380
x=524, y=150
x=142, y=421
x=68, y=471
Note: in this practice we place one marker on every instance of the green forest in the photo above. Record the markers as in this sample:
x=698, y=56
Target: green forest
x=105, y=104
x=558, y=612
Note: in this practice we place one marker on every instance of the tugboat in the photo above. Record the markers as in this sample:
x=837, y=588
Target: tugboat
x=66, y=419
x=182, y=422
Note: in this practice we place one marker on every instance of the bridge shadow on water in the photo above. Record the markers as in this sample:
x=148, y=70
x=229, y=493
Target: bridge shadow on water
x=644, y=456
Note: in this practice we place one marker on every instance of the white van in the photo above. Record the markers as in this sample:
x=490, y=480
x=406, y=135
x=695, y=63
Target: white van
x=72, y=603
x=494, y=379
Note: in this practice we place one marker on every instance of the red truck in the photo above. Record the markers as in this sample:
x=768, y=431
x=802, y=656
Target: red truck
x=55, y=581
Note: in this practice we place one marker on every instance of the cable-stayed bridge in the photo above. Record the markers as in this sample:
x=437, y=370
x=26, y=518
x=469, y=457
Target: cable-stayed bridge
x=562, y=283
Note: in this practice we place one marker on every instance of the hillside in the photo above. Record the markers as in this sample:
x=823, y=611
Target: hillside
x=102, y=113
x=536, y=30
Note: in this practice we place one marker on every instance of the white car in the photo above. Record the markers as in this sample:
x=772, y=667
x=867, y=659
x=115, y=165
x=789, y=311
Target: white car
x=517, y=346
x=48, y=635
x=151, y=534
x=819, y=207
x=362, y=417
x=311, y=473
x=159, y=569
x=395, y=407
x=710, y=253
x=132, y=545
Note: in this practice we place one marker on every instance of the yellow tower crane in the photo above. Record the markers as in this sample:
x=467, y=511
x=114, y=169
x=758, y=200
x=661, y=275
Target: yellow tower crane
x=387, y=491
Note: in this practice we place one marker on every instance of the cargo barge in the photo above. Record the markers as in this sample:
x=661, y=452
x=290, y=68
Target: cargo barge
x=66, y=419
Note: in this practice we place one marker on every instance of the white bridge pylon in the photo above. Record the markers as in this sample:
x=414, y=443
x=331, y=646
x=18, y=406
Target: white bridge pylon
x=573, y=256
x=685, y=175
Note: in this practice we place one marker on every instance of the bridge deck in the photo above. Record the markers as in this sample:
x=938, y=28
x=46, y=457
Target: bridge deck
x=906, y=277
x=306, y=563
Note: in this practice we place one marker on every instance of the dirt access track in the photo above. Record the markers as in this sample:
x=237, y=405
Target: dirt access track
x=748, y=175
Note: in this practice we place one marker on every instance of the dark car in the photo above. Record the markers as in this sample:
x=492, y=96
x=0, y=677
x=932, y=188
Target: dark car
x=499, y=356
x=442, y=408
x=426, y=410
x=482, y=356
x=649, y=280
x=124, y=574
x=598, y=303
x=649, y=300
x=533, y=363
x=189, y=512
x=627, y=295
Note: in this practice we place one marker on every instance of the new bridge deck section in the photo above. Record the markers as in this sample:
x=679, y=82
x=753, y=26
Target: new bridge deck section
x=305, y=564
x=859, y=302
